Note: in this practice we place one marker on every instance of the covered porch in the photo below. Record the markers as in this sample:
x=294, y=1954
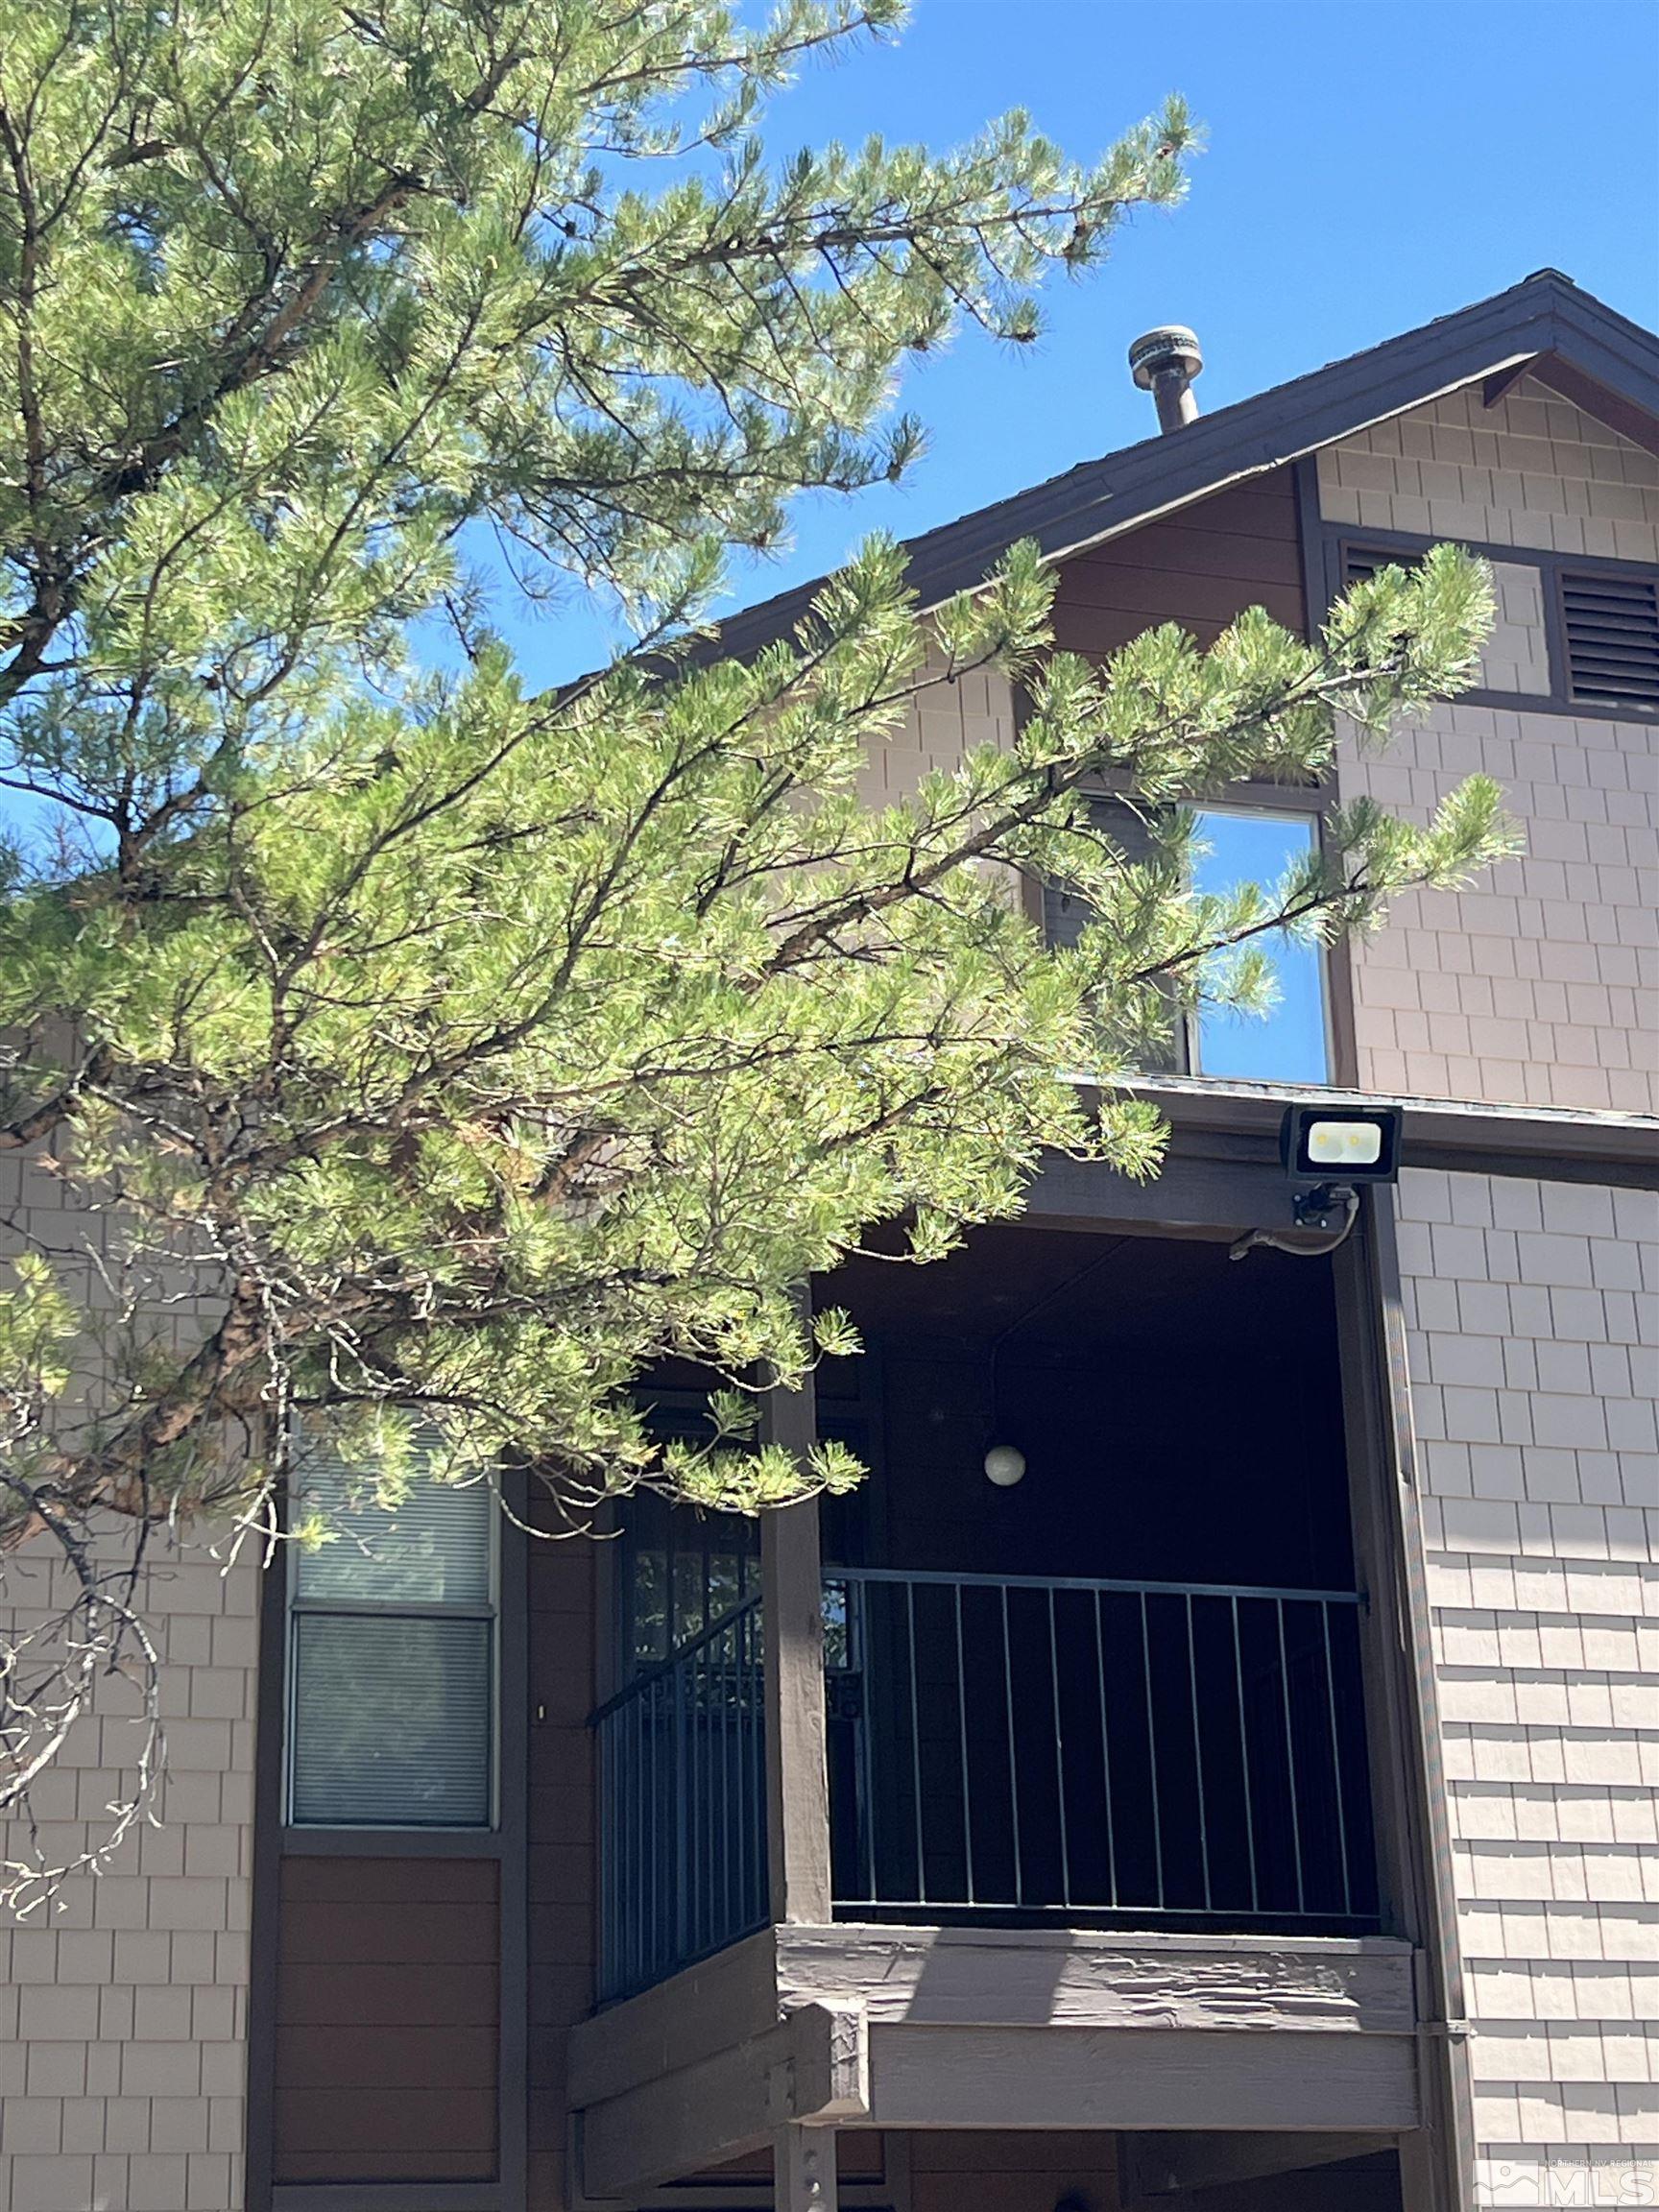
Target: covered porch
x=1123, y=1691
x=1046, y=1805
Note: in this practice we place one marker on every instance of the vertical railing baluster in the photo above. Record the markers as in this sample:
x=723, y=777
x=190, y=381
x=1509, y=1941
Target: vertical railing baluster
x=691, y=1815
x=647, y=1829
x=1059, y=1755
x=617, y=1726
x=713, y=1753
x=607, y=1863
x=1152, y=1751
x=736, y=1793
x=641, y=1862
x=703, y=1923
x=657, y=1946
x=753, y=1843
x=1105, y=1753
x=682, y=1814
x=742, y=1884
x=757, y=1764
x=628, y=1761
x=1197, y=1750
x=662, y=1818
x=1013, y=1753
x=962, y=1724
x=650, y=1860
x=734, y=1908
x=1244, y=1760
x=649, y=1937
x=915, y=1748
x=755, y=1821
x=1335, y=1759
x=1291, y=1759
x=866, y=1745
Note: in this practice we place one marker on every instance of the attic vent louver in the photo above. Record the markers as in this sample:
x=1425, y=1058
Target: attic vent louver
x=1360, y=563
x=1612, y=638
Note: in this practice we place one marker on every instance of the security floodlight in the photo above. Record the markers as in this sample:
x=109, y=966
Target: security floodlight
x=1334, y=1148
x=1341, y=1143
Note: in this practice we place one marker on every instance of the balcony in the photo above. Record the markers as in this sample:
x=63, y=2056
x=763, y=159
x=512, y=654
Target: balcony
x=1090, y=1755
x=1098, y=1753
x=1011, y=1752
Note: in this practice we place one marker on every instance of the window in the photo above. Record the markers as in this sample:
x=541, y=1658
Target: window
x=1236, y=846
x=1612, y=627
x=1232, y=845
x=681, y=1572
x=392, y=1655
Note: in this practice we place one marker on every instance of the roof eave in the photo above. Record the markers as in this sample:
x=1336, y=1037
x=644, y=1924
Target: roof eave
x=1580, y=347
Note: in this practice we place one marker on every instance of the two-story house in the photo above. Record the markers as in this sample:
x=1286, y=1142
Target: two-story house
x=1217, y=1782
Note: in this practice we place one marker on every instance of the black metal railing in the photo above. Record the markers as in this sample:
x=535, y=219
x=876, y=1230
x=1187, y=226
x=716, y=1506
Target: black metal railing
x=682, y=1798
x=1005, y=1748
x=1011, y=1746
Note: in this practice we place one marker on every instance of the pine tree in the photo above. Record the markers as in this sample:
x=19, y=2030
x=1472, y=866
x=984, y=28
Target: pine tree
x=425, y=1054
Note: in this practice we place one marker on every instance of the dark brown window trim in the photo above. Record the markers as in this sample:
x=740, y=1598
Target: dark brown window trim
x=268, y=1763
x=507, y=1843
x=308, y=1842
x=1341, y=1015
x=1317, y=800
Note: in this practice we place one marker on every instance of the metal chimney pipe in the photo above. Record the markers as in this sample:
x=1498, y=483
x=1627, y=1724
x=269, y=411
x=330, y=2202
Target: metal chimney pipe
x=1164, y=362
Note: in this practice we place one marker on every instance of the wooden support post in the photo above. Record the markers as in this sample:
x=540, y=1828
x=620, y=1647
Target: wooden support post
x=792, y=1591
x=660, y=2123
x=804, y=2170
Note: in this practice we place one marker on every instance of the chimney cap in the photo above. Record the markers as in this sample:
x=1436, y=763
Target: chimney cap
x=1173, y=346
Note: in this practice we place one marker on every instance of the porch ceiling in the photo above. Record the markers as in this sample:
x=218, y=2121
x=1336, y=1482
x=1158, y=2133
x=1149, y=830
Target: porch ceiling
x=1041, y=1294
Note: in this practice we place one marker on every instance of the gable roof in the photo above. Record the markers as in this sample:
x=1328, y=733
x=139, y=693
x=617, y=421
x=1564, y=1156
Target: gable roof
x=1544, y=326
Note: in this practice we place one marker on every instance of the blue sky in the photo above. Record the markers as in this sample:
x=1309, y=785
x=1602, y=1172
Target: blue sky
x=1371, y=164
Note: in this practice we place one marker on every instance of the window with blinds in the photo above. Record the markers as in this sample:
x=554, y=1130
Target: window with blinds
x=392, y=1655
x=1612, y=628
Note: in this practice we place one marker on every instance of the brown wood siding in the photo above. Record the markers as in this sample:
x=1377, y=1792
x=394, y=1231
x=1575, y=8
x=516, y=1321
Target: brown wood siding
x=1201, y=568
x=562, y=1862
x=388, y=2020
x=1028, y=2171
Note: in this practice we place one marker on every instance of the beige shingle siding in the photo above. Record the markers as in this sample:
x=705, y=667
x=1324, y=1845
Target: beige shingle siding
x=1533, y=471
x=1539, y=986
x=123, y=2015
x=944, y=723
x=1532, y=1309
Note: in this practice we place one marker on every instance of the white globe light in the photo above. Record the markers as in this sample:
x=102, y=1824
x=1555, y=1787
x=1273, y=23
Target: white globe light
x=1004, y=1465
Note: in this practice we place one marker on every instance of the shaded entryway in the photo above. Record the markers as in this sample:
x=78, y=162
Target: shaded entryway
x=1128, y=1685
